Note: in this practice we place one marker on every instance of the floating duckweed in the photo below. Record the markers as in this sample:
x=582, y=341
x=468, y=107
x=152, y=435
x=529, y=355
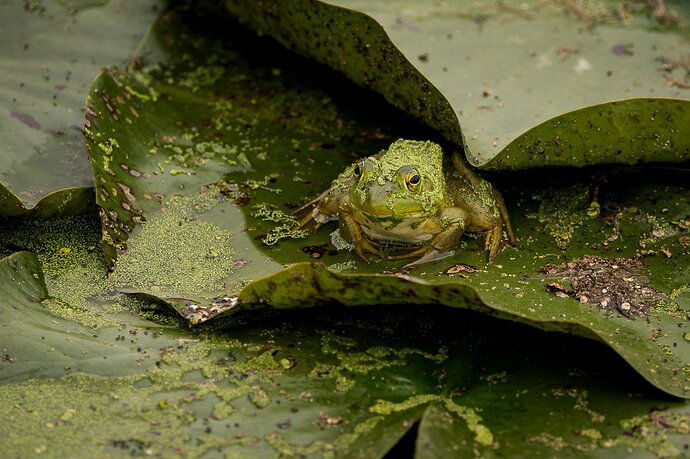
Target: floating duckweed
x=201, y=77
x=262, y=363
x=671, y=305
x=66, y=247
x=343, y=266
x=329, y=449
x=137, y=94
x=286, y=224
x=351, y=362
x=71, y=413
x=581, y=403
x=482, y=434
x=176, y=252
x=385, y=407
x=259, y=397
x=594, y=434
x=103, y=412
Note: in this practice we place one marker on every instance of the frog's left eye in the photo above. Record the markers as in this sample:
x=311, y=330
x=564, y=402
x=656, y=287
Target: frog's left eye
x=412, y=180
x=357, y=171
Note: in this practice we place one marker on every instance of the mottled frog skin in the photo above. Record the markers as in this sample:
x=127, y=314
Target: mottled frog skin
x=410, y=201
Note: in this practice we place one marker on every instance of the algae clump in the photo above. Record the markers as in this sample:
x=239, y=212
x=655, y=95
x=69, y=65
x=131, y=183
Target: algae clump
x=175, y=252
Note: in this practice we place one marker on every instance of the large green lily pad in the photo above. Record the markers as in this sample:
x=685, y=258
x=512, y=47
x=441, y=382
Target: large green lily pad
x=519, y=83
x=200, y=157
x=342, y=384
x=52, y=50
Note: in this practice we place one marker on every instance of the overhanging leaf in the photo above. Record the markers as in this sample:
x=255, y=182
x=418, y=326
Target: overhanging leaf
x=51, y=53
x=519, y=83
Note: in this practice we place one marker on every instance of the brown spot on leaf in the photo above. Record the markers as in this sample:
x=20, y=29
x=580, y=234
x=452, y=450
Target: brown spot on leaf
x=26, y=119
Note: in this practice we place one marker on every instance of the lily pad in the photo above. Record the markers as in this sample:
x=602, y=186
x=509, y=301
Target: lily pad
x=343, y=384
x=52, y=51
x=519, y=84
x=200, y=156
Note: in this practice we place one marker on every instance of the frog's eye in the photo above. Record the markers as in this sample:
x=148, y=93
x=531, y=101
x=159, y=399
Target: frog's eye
x=357, y=171
x=412, y=180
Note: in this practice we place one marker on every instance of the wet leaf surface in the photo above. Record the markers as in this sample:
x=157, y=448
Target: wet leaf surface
x=131, y=380
x=51, y=53
x=520, y=84
x=197, y=178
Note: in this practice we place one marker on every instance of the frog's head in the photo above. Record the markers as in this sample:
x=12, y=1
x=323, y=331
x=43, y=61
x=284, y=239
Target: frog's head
x=406, y=181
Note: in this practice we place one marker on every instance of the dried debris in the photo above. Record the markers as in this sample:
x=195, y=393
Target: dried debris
x=613, y=284
x=460, y=268
x=197, y=314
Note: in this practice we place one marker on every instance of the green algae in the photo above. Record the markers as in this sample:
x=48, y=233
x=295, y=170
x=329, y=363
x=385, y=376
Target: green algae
x=285, y=224
x=581, y=402
x=328, y=449
x=177, y=252
x=76, y=273
x=482, y=435
x=651, y=432
x=386, y=407
x=352, y=362
x=81, y=411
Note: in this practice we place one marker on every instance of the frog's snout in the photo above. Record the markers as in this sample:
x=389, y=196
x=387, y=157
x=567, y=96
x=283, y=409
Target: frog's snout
x=378, y=194
x=376, y=199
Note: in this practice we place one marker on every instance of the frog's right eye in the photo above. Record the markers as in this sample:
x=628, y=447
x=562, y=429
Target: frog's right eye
x=357, y=171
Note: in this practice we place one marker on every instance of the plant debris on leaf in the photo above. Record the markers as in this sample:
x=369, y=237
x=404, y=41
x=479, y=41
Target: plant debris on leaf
x=613, y=284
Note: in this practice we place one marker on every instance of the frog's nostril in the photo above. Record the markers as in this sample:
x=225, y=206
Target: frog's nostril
x=378, y=194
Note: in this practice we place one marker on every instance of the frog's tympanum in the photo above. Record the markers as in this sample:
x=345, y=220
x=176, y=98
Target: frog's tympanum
x=410, y=201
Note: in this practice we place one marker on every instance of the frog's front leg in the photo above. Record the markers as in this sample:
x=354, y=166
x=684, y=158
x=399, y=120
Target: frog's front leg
x=453, y=221
x=318, y=211
x=351, y=231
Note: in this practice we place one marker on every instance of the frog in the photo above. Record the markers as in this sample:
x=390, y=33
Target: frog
x=410, y=201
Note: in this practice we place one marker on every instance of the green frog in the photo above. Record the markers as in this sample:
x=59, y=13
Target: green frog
x=410, y=201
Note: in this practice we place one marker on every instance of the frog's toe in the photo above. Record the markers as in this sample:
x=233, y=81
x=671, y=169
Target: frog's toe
x=307, y=223
x=361, y=253
x=494, y=242
x=431, y=255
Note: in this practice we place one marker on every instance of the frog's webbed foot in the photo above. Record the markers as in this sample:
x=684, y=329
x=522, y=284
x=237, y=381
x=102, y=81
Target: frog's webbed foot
x=443, y=244
x=425, y=256
x=308, y=222
x=494, y=241
x=505, y=219
x=316, y=212
x=362, y=246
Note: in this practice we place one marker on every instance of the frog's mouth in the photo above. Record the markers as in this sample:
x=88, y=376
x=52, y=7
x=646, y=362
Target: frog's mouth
x=390, y=217
x=393, y=223
x=401, y=228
